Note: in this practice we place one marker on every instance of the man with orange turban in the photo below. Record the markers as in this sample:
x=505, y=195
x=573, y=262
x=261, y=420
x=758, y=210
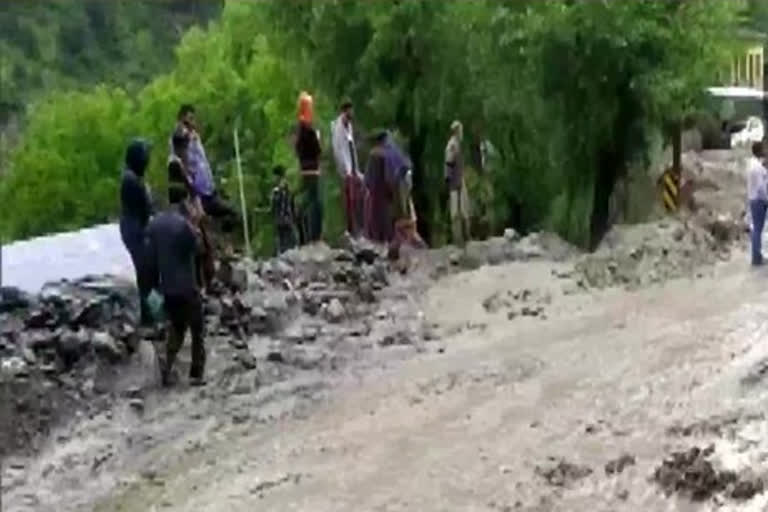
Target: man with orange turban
x=308, y=151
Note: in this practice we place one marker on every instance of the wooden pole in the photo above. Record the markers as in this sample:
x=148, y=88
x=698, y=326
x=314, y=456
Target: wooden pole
x=243, y=208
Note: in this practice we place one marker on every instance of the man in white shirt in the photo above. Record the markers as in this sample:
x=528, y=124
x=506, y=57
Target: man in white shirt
x=757, y=193
x=345, y=154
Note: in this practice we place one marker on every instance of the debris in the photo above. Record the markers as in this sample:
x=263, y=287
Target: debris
x=510, y=235
x=691, y=474
x=335, y=311
x=617, y=466
x=562, y=473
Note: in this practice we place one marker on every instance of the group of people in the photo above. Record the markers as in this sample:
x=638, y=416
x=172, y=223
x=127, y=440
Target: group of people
x=377, y=199
x=173, y=252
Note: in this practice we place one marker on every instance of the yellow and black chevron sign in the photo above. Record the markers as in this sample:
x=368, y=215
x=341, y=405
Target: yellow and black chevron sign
x=670, y=190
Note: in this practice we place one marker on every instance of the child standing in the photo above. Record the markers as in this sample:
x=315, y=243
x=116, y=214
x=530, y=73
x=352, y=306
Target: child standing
x=283, y=212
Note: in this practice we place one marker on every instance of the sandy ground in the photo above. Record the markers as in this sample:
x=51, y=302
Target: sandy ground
x=469, y=422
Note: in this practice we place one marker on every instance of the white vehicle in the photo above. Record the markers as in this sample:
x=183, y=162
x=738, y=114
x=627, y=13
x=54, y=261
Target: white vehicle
x=753, y=131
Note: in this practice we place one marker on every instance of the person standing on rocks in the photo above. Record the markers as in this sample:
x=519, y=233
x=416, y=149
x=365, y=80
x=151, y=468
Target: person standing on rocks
x=179, y=176
x=457, y=188
x=379, y=191
x=757, y=192
x=136, y=210
x=345, y=154
x=199, y=170
x=308, y=151
x=172, y=245
x=283, y=212
x=400, y=170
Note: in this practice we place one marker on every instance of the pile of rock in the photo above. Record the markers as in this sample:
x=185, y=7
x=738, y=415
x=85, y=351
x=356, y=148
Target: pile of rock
x=510, y=247
x=691, y=474
x=330, y=284
x=67, y=323
x=638, y=256
x=520, y=303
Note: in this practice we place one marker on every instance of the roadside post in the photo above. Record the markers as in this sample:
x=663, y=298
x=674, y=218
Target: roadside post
x=243, y=208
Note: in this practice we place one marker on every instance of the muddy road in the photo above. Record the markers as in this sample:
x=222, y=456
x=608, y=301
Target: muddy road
x=494, y=389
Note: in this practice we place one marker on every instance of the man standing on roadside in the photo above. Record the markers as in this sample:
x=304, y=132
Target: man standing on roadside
x=345, y=154
x=757, y=193
x=457, y=188
x=200, y=173
x=172, y=246
x=308, y=151
x=135, y=212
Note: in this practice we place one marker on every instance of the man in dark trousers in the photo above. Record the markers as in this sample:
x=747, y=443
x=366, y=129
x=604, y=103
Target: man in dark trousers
x=135, y=212
x=172, y=244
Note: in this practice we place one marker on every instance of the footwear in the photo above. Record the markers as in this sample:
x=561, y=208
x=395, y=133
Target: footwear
x=197, y=382
x=168, y=378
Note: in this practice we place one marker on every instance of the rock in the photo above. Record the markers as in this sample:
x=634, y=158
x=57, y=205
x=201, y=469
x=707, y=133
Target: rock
x=134, y=392
x=92, y=313
x=454, y=259
x=137, y=404
x=239, y=279
x=40, y=318
x=691, y=474
x=38, y=340
x=275, y=353
x=746, y=490
x=310, y=304
x=562, y=473
x=213, y=308
x=105, y=346
x=14, y=367
x=247, y=360
x=365, y=252
x=510, y=235
x=29, y=356
x=72, y=345
x=12, y=299
x=724, y=229
x=335, y=311
x=617, y=466
x=238, y=343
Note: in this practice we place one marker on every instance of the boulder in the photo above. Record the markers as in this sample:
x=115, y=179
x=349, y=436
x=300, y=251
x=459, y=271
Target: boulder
x=105, y=346
x=335, y=312
x=510, y=235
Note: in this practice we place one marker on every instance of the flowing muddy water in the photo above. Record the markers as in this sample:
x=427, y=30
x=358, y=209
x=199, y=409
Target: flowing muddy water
x=525, y=396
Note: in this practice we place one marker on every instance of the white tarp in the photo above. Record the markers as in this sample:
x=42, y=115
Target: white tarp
x=30, y=264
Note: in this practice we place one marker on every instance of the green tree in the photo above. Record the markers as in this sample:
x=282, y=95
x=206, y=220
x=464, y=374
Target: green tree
x=568, y=91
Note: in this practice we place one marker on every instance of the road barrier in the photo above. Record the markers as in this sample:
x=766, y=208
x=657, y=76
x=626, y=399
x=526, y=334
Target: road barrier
x=670, y=190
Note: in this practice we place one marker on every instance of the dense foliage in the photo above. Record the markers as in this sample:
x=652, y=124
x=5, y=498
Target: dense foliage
x=566, y=90
x=48, y=44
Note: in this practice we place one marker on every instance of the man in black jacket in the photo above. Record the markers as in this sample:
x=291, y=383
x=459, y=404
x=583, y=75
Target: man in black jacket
x=136, y=209
x=172, y=244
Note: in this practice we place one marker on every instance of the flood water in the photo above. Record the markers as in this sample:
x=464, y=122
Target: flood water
x=98, y=250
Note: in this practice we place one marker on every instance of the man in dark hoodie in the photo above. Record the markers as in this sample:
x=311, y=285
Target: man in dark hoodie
x=136, y=209
x=172, y=246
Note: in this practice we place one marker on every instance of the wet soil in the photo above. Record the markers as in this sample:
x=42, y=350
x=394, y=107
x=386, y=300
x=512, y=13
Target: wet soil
x=434, y=397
